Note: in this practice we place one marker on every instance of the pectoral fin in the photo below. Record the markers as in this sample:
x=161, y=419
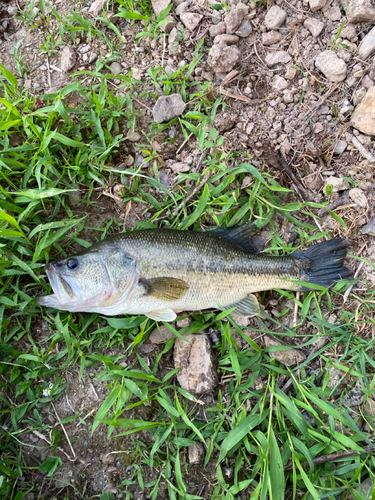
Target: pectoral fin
x=162, y=315
x=165, y=289
x=247, y=307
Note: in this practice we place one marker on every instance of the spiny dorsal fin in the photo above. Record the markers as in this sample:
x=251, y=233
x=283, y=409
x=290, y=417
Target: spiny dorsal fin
x=247, y=307
x=165, y=289
x=242, y=236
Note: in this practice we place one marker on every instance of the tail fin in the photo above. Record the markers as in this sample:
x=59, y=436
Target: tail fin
x=322, y=263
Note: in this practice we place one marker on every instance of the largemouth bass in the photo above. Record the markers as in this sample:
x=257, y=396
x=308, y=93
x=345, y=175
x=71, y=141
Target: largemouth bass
x=161, y=272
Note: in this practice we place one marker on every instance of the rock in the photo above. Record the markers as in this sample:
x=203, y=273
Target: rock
x=369, y=228
x=367, y=46
x=182, y=323
x=279, y=57
x=235, y=16
x=93, y=57
x=180, y=167
x=133, y=136
x=359, y=11
x=159, y=5
x=68, y=59
x=97, y=7
x=333, y=13
x=290, y=73
x=279, y=83
x=333, y=68
x=197, y=372
x=275, y=17
x=223, y=58
x=358, y=196
x=83, y=49
x=160, y=335
x=191, y=20
x=318, y=127
x=314, y=26
x=367, y=82
x=227, y=39
x=317, y=4
x=289, y=357
x=115, y=68
x=337, y=183
x=168, y=107
x=183, y=7
x=359, y=95
x=245, y=29
x=340, y=147
x=363, y=117
x=355, y=396
x=217, y=29
x=107, y=458
x=271, y=37
x=170, y=70
x=168, y=24
x=196, y=453
x=349, y=32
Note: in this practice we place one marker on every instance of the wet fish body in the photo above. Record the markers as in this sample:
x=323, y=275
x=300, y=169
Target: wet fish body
x=160, y=273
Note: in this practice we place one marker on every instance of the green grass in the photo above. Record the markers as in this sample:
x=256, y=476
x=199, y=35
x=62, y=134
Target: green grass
x=54, y=145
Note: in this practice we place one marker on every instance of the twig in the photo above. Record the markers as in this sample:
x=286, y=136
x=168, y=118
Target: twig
x=195, y=190
x=52, y=66
x=296, y=309
x=162, y=57
x=66, y=434
x=346, y=294
x=40, y=436
x=93, y=388
x=48, y=73
x=200, y=161
x=364, y=152
x=183, y=144
x=333, y=456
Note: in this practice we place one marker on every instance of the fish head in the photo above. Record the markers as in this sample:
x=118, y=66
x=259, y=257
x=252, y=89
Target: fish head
x=90, y=280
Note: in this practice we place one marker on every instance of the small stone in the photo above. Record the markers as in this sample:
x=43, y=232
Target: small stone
x=191, y=20
x=84, y=48
x=182, y=8
x=93, y=57
x=27, y=84
x=107, y=458
x=367, y=82
x=271, y=37
x=290, y=73
x=349, y=32
x=97, y=7
x=314, y=26
x=168, y=24
x=194, y=359
x=136, y=73
x=133, y=136
x=180, y=167
x=318, y=127
x=363, y=117
x=340, y=147
x=369, y=228
x=182, y=323
x=223, y=58
x=337, y=183
x=359, y=95
x=68, y=59
x=159, y=5
x=279, y=57
x=289, y=357
x=359, y=11
x=358, y=196
x=275, y=17
x=367, y=46
x=168, y=107
x=245, y=29
x=317, y=4
x=333, y=68
x=279, y=83
x=160, y=335
x=115, y=68
x=227, y=39
x=333, y=13
x=196, y=453
x=217, y=29
x=170, y=70
x=235, y=16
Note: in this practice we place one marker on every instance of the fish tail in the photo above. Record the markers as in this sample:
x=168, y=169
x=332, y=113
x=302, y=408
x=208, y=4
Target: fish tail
x=322, y=263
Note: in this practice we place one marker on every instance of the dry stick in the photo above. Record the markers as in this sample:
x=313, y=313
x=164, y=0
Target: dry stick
x=296, y=309
x=364, y=152
x=40, y=436
x=195, y=190
x=183, y=144
x=162, y=57
x=333, y=456
x=321, y=342
x=66, y=434
x=49, y=73
x=346, y=294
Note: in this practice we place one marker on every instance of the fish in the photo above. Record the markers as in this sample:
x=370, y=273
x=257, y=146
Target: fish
x=160, y=273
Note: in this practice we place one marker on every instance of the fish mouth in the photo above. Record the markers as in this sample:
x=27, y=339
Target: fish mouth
x=62, y=291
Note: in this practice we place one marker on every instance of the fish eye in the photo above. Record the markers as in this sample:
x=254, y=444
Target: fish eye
x=72, y=263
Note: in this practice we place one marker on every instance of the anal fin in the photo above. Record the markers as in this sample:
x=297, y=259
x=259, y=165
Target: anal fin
x=162, y=315
x=247, y=307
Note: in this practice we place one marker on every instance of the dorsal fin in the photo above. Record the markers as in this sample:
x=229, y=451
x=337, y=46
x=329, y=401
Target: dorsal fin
x=241, y=236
